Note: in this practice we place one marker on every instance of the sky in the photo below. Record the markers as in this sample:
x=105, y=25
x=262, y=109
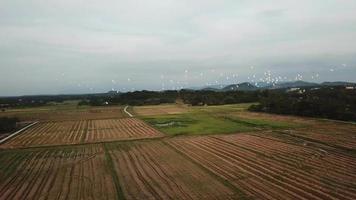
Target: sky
x=87, y=46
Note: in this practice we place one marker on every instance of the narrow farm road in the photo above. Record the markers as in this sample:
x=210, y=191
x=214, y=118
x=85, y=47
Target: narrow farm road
x=127, y=112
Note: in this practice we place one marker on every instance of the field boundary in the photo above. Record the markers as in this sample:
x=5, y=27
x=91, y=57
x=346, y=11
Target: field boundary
x=86, y=143
x=17, y=132
x=115, y=177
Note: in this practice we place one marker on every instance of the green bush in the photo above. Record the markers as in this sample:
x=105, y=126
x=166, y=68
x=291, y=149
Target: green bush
x=7, y=124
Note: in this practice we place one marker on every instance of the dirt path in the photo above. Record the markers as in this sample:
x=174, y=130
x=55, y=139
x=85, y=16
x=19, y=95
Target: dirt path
x=127, y=112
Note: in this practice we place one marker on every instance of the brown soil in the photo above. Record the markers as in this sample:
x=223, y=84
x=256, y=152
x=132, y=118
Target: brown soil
x=270, y=169
x=160, y=109
x=57, y=174
x=79, y=114
x=82, y=131
x=152, y=170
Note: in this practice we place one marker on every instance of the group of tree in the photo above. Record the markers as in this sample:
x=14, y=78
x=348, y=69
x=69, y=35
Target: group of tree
x=191, y=97
x=144, y=98
x=201, y=97
x=328, y=102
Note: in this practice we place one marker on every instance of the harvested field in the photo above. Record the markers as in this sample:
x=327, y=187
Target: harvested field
x=270, y=169
x=328, y=132
x=49, y=133
x=273, y=157
x=82, y=131
x=152, y=170
x=274, y=117
x=160, y=109
x=74, y=173
x=119, y=129
x=65, y=114
x=334, y=134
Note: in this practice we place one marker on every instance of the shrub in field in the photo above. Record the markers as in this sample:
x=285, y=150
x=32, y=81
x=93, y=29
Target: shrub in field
x=7, y=124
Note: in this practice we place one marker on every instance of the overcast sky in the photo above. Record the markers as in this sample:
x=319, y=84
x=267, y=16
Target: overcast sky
x=80, y=46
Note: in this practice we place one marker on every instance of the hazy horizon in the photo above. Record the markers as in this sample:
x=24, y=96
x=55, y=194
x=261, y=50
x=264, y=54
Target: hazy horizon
x=82, y=46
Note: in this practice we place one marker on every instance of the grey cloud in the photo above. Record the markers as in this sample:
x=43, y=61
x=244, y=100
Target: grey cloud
x=95, y=42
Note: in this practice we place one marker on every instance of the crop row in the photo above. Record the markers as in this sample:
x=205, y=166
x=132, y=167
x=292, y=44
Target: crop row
x=114, y=129
x=82, y=131
x=152, y=170
x=198, y=167
x=78, y=173
x=135, y=170
x=269, y=169
x=66, y=114
x=335, y=137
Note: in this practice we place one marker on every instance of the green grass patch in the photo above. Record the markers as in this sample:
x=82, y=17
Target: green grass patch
x=263, y=123
x=212, y=120
x=195, y=124
x=223, y=108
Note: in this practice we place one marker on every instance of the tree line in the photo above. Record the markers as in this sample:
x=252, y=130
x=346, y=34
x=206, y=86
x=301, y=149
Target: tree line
x=328, y=102
x=191, y=97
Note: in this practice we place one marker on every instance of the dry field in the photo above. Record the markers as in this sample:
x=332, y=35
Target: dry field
x=274, y=117
x=82, y=131
x=270, y=169
x=74, y=173
x=335, y=134
x=197, y=167
x=45, y=114
x=136, y=170
x=160, y=109
x=119, y=129
x=313, y=161
x=153, y=170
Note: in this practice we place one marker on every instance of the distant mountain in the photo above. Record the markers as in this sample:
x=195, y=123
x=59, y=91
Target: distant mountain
x=338, y=83
x=263, y=84
x=113, y=92
x=211, y=89
x=246, y=86
x=194, y=88
x=293, y=84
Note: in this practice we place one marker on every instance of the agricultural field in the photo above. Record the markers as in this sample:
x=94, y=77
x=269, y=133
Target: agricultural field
x=195, y=124
x=276, y=118
x=81, y=131
x=153, y=170
x=340, y=135
x=61, y=173
x=269, y=169
x=213, y=120
x=119, y=129
x=70, y=112
x=166, y=109
x=329, y=132
x=208, y=152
